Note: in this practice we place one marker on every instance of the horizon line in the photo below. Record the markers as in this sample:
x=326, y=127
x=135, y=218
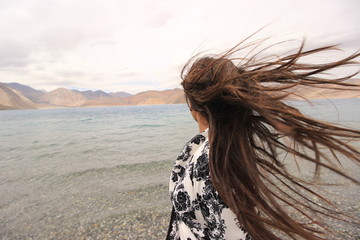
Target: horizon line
x=90, y=89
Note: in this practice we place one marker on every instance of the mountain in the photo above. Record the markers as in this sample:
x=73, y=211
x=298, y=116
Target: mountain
x=120, y=94
x=14, y=99
x=18, y=96
x=301, y=92
x=64, y=97
x=74, y=98
x=144, y=98
x=93, y=95
x=32, y=94
x=157, y=97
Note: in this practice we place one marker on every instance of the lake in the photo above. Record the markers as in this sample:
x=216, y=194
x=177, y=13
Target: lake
x=104, y=170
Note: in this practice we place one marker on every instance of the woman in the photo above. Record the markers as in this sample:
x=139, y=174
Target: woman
x=229, y=182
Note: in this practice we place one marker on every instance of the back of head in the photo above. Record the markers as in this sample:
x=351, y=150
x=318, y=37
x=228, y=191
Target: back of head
x=248, y=121
x=215, y=87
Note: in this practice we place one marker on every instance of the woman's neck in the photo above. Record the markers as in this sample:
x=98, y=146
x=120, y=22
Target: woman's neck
x=202, y=126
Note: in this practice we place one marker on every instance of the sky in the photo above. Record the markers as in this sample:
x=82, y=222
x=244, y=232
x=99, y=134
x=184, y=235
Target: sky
x=139, y=45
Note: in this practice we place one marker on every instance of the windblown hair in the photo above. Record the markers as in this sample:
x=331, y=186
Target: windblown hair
x=250, y=124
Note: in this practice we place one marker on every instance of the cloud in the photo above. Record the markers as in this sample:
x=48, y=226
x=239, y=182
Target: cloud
x=70, y=74
x=103, y=42
x=134, y=45
x=13, y=54
x=159, y=19
x=62, y=83
x=128, y=75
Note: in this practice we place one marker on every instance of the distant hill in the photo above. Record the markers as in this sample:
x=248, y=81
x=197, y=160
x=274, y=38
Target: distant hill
x=64, y=97
x=14, y=99
x=33, y=94
x=320, y=93
x=120, y=94
x=157, y=97
x=18, y=96
x=95, y=94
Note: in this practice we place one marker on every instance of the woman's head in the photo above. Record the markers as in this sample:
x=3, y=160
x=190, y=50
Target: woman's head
x=211, y=85
x=248, y=122
x=222, y=91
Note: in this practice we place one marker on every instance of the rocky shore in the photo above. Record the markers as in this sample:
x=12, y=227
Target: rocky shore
x=144, y=213
x=149, y=222
x=152, y=222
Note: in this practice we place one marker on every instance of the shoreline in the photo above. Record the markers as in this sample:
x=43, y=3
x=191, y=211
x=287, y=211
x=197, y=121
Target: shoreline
x=120, y=105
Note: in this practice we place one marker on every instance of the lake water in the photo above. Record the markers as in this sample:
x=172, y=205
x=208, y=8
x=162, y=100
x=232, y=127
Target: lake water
x=65, y=167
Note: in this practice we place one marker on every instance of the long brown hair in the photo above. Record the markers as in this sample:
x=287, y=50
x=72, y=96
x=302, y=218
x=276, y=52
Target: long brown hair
x=249, y=123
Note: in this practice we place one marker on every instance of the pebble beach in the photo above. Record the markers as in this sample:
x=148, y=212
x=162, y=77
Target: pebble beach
x=151, y=221
x=141, y=223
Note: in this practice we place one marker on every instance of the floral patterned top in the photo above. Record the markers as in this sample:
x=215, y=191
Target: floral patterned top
x=199, y=212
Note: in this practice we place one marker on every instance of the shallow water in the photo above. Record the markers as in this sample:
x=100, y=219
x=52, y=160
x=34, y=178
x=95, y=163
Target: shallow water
x=64, y=167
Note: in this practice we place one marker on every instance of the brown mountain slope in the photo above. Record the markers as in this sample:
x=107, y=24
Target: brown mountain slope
x=320, y=93
x=144, y=98
x=29, y=92
x=64, y=97
x=13, y=99
x=120, y=94
x=156, y=97
x=104, y=101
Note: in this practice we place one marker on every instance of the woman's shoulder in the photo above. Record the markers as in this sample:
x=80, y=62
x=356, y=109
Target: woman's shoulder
x=198, y=139
x=192, y=146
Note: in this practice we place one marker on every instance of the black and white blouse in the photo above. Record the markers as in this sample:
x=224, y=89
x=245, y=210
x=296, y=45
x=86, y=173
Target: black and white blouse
x=199, y=212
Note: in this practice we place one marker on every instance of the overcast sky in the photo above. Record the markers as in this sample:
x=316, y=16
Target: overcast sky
x=132, y=46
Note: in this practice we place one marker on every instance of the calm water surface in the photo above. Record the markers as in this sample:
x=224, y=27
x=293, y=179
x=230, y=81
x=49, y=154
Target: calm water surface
x=67, y=166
